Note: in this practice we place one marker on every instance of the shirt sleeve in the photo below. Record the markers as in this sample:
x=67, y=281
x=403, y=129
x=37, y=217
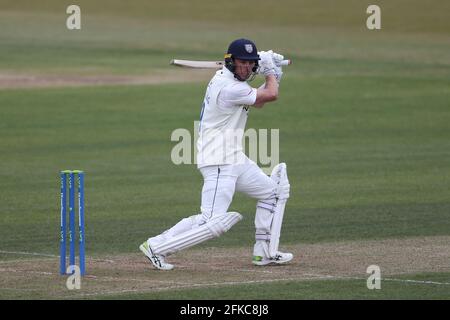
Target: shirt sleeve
x=237, y=94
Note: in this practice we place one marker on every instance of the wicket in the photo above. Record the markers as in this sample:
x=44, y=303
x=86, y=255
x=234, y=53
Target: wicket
x=70, y=176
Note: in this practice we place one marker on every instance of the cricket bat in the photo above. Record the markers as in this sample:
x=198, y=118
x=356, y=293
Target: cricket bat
x=208, y=64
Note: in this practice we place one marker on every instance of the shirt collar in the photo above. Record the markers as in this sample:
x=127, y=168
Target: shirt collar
x=227, y=73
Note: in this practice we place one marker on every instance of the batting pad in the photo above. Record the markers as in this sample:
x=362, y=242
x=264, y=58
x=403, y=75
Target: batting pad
x=270, y=212
x=279, y=175
x=214, y=227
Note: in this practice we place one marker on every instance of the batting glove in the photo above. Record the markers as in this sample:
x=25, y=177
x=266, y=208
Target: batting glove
x=277, y=58
x=278, y=73
x=267, y=67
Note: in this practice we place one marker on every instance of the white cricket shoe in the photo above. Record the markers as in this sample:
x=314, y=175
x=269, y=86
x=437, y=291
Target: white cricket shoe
x=280, y=258
x=156, y=259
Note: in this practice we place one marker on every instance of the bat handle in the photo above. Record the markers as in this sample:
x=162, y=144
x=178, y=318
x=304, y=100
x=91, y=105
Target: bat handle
x=285, y=62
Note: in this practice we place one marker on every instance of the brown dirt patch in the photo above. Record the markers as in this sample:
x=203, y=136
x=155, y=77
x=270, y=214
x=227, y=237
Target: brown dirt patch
x=210, y=267
x=14, y=80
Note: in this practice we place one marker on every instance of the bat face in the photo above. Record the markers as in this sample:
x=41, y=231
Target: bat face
x=208, y=64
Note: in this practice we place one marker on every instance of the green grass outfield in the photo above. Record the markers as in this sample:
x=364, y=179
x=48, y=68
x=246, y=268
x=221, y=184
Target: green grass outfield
x=363, y=117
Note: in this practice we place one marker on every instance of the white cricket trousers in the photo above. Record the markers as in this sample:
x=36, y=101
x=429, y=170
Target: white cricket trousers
x=222, y=181
x=220, y=184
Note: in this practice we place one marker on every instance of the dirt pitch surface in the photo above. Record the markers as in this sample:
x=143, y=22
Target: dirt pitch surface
x=38, y=278
x=30, y=80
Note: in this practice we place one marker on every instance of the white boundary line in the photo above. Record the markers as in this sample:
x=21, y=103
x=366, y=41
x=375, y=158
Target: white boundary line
x=30, y=253
x=193, y=285
x=231, y=283
x=415, y=281
x=26, y=271
x=25, y=260
x=19, y=289
x=91, y=277
x=43, y=255
x=189, y=286
x=382, y=279
x=310, y=277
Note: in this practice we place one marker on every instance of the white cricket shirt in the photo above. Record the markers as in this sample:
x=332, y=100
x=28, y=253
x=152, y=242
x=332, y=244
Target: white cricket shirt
x=222, y=120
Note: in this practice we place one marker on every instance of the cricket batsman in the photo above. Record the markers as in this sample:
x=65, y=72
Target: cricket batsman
x=224, y=166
